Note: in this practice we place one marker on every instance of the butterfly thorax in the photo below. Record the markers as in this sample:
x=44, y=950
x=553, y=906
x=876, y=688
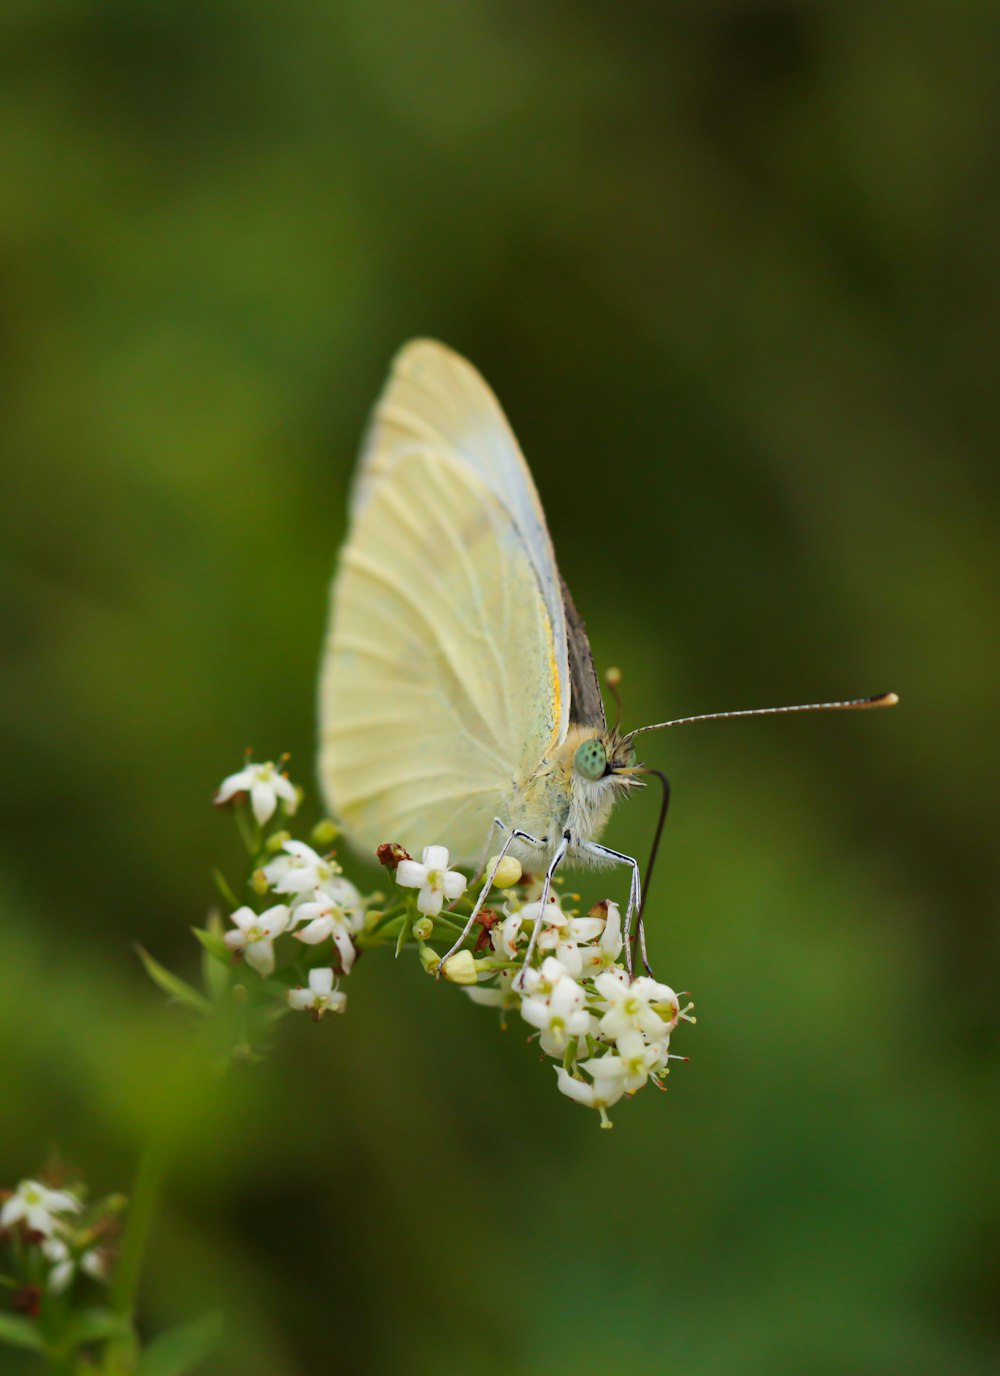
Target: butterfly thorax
x=556, y=799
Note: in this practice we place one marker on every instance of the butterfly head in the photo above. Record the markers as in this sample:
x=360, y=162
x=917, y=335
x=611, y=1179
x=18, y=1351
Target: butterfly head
x=603, y=760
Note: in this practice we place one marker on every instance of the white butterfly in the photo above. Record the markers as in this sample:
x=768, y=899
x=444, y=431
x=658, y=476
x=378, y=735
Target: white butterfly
x=458, y=694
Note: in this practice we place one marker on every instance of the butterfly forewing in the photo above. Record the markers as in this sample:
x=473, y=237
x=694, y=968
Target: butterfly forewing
x=435, y=401
x=440, y=687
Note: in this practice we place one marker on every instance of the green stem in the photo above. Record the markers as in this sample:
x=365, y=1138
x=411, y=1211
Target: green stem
x=250, y=836
x=121, y=1354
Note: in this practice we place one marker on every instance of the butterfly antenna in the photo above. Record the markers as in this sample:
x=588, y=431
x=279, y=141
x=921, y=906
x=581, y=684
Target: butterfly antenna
x=613, y=678
x=879, y=700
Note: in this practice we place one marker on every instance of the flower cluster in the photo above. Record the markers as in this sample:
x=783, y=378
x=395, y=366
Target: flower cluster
x=319, y=905
x=55, y=1239
x=315, y=903
x=609, y=1032
x=299, y=925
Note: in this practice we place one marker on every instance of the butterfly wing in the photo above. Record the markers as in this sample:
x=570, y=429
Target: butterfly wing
x=442, y=682
x=437, y=401
x=586, y=703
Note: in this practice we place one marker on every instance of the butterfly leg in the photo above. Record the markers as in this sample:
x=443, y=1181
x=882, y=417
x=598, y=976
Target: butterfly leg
x=515, y=835
x=634, y=898
x=554, y=863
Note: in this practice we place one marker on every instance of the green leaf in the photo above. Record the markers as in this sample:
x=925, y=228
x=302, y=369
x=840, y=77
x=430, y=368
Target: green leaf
x=18, y=1332
x=222, y=884
x=404, y=933
x=95, y=1325
x=171, y=984
x=181, y=1350
x=216, y=958
x=214, y=945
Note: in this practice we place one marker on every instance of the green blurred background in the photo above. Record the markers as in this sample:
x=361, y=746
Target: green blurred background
x=732, y=270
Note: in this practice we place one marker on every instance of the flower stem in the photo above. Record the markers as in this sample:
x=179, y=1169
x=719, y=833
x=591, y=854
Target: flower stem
x=121, y=1354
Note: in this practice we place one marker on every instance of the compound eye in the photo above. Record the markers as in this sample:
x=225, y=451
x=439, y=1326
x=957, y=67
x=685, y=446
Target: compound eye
x=591, y=760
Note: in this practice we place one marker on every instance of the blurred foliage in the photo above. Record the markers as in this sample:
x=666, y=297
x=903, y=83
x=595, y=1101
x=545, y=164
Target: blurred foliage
x=731, y=268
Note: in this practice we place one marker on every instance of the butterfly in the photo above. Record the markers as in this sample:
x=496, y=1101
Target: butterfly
x=458, y=697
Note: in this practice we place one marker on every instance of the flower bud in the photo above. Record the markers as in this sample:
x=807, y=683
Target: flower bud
x=276, y=840
x=422, y=928
x=460, y=968
x=508, y=871
x=429, y=958
x=389, y=854
x=259, y=882
x=324, y=833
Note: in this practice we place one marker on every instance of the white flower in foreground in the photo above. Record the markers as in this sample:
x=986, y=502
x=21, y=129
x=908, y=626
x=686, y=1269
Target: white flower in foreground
x=265, y=784
x=642, y=1005
x=300, y=870
x=254, y=935
x=506, y=935
x=565, y=934
x=36, y=1205
x=320, y=998
x=324, y=917
x=601, y=955
x=433, y=878
x=560, y=1016
x=606, y=1088
x=635, y=1061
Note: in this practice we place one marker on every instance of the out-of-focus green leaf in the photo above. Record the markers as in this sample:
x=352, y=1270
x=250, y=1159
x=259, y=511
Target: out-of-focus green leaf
x=95, y=1325
x=216, y=959
x=18, y=1332
x=172, y=984
x=182, y=1350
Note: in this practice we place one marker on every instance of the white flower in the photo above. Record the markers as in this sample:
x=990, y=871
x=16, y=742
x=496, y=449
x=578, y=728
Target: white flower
x=265, y=785
x=643, y=1005
x=607, y=1087
x=505, y=936
x=63, y=1265
x=635, y=1062
x=300, y=870
x=603, y=954
x=36, y=1204
x=325, y=915
x=433, y=878
x=96, y=1263
x=254, y=935
x=320, y=998
x=565, y=933
x=93, y=1263
x=559, y=1014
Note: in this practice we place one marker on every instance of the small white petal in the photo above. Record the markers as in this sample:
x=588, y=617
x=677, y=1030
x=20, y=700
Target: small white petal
x=345, y=946
x=430, y=901
x=263, y=802
x=243, y=918
x=435, y=858
x=274, y=921
x=455, y=884
x=260, y=955
x=573, y=1088
x=321, y=981
x=286, y=791
x=410, y=874
x=488, y=998
x=315, y=931
x=13, y=1210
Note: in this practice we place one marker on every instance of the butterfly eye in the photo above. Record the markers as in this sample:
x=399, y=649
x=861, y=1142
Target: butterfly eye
x=591, y=760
